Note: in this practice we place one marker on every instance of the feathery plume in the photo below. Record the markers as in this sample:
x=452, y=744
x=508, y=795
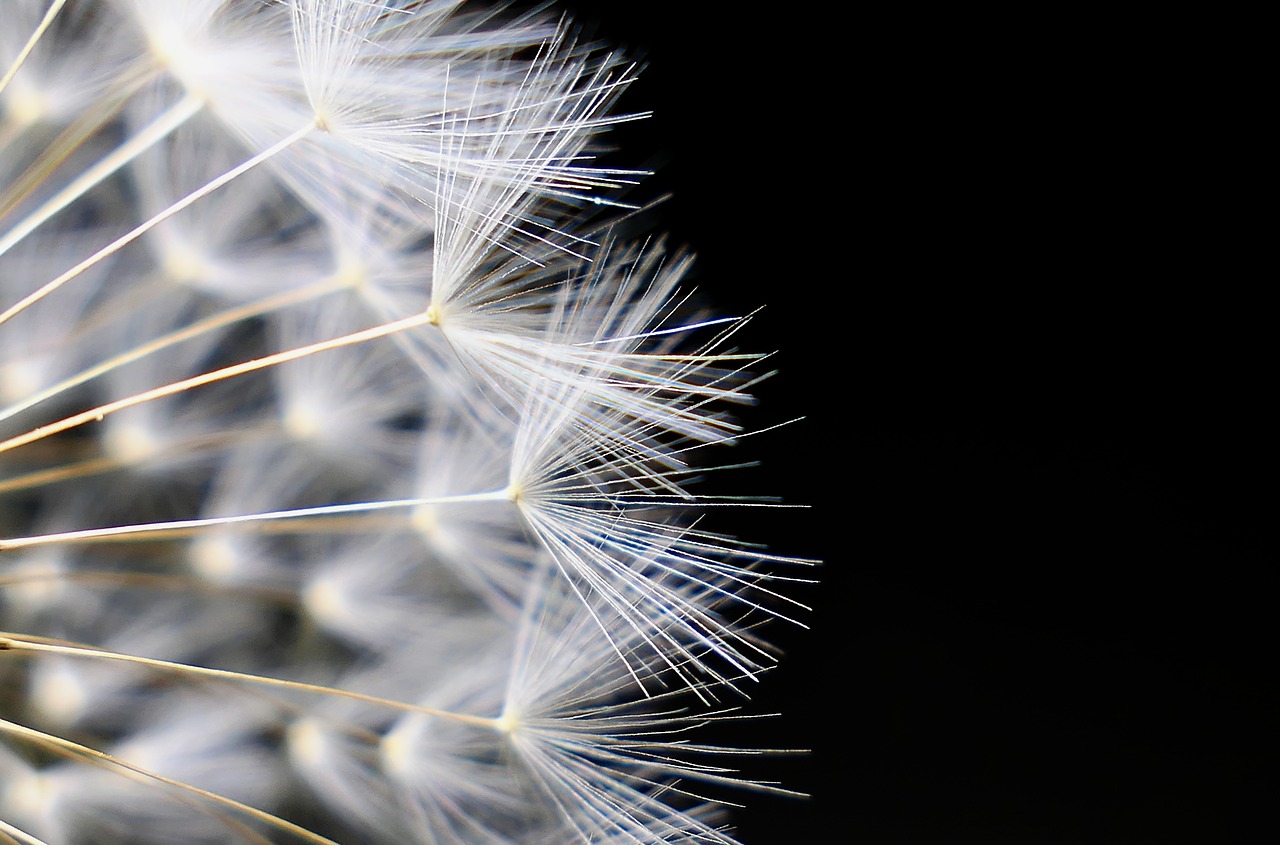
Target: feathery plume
x=350, y=458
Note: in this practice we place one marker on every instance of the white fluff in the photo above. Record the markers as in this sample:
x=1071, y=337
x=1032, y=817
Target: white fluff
x=347, y=466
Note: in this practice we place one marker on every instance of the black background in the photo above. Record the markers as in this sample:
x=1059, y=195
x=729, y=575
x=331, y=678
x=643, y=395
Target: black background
x=1014, y=269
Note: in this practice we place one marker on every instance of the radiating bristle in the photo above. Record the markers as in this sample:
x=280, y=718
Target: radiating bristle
x=347, y=462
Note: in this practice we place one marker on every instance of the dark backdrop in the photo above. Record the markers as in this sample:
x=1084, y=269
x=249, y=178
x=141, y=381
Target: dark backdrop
x=1013, y=267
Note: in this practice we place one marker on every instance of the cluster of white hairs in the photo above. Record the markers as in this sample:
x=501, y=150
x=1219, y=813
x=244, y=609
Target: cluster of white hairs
x=345, y=450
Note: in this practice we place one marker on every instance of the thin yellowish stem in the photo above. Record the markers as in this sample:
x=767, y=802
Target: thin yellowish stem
x=22, y=643
x=69, y=469
x=195, y=525
x=66, y=472
x=142, y=229
x=136, y=295
x=13, y=834
x=75, y=748
x=365, y=523
x=45, y=23
x=216, y=321
x=153, y=581
x=89, y=122
x=98, y=413
x=154, y=132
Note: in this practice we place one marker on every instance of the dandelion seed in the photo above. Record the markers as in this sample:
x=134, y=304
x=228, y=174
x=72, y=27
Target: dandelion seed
x=349, y=456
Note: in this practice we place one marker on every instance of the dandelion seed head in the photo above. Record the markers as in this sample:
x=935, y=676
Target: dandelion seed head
x=348, y=447
x=31, y=797
x=21, y=378
x=304, y=420
x=217, y=558
x=39, y=584
x=426, y=521
x=26, y=105
x=509, y=722
x=325, y=599
x=132, y=442
x=396, y=751
x=59, y=695
x=183, y=263
x=307, y=742
x=173, y=50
